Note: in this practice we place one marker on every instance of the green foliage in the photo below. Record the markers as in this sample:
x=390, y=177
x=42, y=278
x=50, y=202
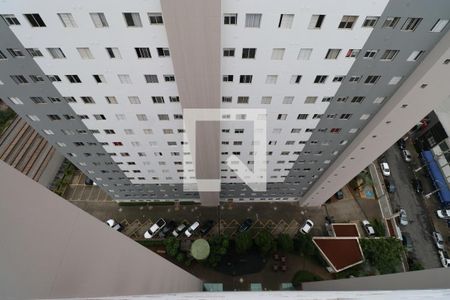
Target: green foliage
x=151, y=243
x=414, y=265
x=304, y=276
x=285, y=243
x=172, y=246
x=188, y=261
x=200, y=249
x=180, y=257
x=6, y=118
x=303, y=244
x=265, y=242
x=243, y=242
x=218, y=248
x=379, y=228
x=383, y=254
x=355, y=271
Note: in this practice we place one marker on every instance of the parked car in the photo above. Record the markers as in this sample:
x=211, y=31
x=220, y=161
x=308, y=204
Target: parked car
x=407, y=242
x=206, y=227
x=191, y=229
x=445, y=259
x=438, y=240
x=403, y=217
x=385, y=169
x=306, y=228
x=339, y=195
x=154, y=228
x=406, y=155
x=401, y=144
x=114, y=225
x=417, y=185
x=176, y=232
x=168, y=228
x=390, y=186
x=443, y=213
x=369, y=229
x=245, y=225
x=88, y=181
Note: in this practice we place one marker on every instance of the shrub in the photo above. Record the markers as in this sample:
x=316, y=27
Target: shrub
x=285, y=243
x=265, y=242
x=304, y=276
x=172, y=246
x=243, y=242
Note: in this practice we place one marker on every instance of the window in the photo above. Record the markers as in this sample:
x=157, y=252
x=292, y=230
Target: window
x=109, y=131
x=338, y=78
x=286, y=21
x=36, y=78
x=378, y=100
x=141, y=117
x=99, y=20
x=11, y=20
x=174, y=99
x=271, y=79
x=227, y=78
x=242, y=100
x=99, y=78
x=411, y=24
x=111, y=99
x=296, y=130
x=100, y=117
x=87, y=100
x=178, y=117
x=389, y=55
x=163, y=52
x=155, y=18
x=2, y=56
x=364, y=116
x=295, y=79
x=151, y=78
x=278, y=53
x=15, y=100
x=335, y=130
x=266, y=100
x=320, y=79
x=53, y=78
x=439, y=25
x=245, y=78
x=310, y=100
x=316, y=21
x=394, y=80
x=158, y=99
x=370, y=53
x=143, y=52
x=304, y=54
x=391, y=22
x=327, y=99
x=230, y=19
x=163, y=117
x=302, y=116
x=347, y=22
x=228, y=52
x=288, y=100
x=352, y=52
x=415, y=55
x=85, y=53
x=134, y=100
x=56, y=53
x=73, y=78
x=248, y=52
x=226, y=99
x=345, y=116
x=169, y=78
x=341, y=99
x=370, y=21
x=253, y=20
x=15, y=52
x=67, y=20
x=113, y=52
x=38, y=100
x=33, y=118
x=332, y=53
x=132, y=19
x=54, y=117
x=282, y=117
x=19, y=79
x=124, y=78
x=34, y=52
x=35, y=20
x=372, y=79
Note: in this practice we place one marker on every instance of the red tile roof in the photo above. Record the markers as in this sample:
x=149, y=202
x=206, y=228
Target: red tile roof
x=345, y=230
x=340, y=253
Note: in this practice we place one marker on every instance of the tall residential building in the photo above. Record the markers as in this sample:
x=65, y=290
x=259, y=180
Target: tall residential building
x=107, y=83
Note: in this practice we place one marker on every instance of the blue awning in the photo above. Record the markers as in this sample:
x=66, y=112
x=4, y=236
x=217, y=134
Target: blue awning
x=439, y=181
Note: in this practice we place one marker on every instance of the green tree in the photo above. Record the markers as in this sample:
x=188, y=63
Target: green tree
x=265, y=242
x=285, y=243
x=172, y=246
x=243, y=242
x=304, y=276
x=303, y=244
x=379, y=228
x=180, y=257
x=219, y=245
x=383, y=254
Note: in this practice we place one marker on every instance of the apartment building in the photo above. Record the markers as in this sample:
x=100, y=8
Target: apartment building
x=106, y=82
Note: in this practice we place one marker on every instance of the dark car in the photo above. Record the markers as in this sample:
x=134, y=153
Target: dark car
x=401, y=144
x=390, y=186
x=407, y=242
x=167, y=229
x=339, y=195
x=417, y=185
x=245, y=225
x=206, y=227
x=88, y=181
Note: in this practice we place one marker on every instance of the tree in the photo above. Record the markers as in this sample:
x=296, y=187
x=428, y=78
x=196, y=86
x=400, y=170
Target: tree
x=265, y=242
x=243, y=242
x=304, y=276
x=180, y=257
x=172, y=246
x=219, y=245
x=384, y=254
x=379, y=228
x=285, y=243
x=303, y=244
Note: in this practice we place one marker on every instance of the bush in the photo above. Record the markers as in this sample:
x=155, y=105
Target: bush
x=303, y=244
x=243, y=242
x=383, y=254
x=180, y=257
x=285, y=243
x=379, y=228
x=265, y=242
x=304, y=276
x=218, y=248
x=172, y=246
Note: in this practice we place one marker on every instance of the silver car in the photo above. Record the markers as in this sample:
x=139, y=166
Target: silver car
x=403, y=217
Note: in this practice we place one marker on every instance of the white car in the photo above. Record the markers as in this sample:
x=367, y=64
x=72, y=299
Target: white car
x=406, y=155
x=155, y=228
x=176, y=232
x=403, y=217
x=306, y=228
x=438, y=240
x=443, y=213
x=114, y=225
x=385, y=169
x=191, y=229
x=369, y=229
x=445, y=260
